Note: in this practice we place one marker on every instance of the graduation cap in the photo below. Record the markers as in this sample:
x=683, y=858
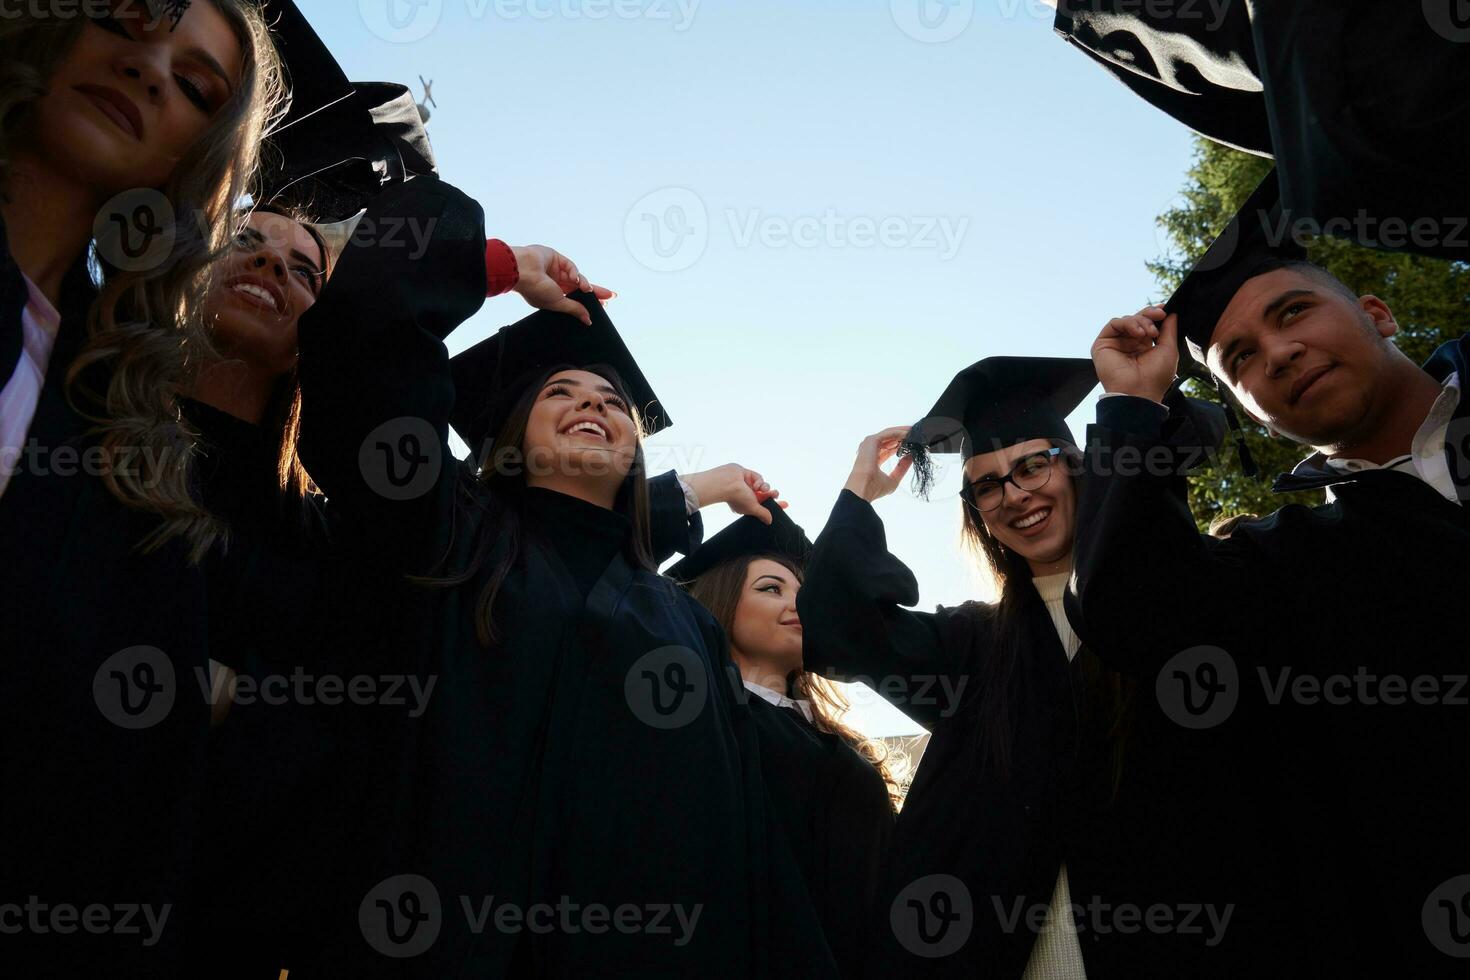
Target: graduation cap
x=1256, y=241
x=490, y=377
x=747, y=538
x=313, y=77
x=999, y=402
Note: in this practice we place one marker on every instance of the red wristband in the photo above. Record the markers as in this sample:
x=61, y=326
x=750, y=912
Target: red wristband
x=501, y=273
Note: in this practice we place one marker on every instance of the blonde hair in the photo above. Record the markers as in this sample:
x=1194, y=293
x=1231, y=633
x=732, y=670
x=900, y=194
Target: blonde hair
x=146, y=330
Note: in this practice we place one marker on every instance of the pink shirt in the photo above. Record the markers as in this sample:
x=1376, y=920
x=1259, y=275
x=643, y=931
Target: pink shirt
x=22, y=391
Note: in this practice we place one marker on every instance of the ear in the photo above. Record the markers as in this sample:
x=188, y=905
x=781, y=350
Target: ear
x=1380, y=314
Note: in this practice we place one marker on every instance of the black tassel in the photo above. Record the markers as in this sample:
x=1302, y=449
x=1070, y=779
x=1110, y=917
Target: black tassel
x=923, y=466
x=1247, y=461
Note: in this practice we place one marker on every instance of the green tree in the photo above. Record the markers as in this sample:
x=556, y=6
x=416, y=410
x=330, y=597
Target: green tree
x=1430, y=299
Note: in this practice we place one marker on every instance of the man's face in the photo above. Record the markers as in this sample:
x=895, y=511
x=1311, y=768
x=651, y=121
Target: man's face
x=1303, y=358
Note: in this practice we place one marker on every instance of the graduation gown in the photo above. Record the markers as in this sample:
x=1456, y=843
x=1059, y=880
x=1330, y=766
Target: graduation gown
x=1360, y=103
x=102, y=761
x=999, y=843
x=833, y=806
x=1368, y=811
x=544, y=770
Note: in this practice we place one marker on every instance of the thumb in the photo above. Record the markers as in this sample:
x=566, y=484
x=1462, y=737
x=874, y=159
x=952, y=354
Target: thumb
x=573, y=308
x=1169, y=334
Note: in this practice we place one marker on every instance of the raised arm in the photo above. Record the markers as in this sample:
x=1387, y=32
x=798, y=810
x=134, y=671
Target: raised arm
x=1147, y=584
x=852, y=603
x=375, y=382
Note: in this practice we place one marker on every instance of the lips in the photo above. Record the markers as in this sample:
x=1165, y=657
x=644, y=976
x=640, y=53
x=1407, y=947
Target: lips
x=588, y=427
x=258, y=292
x=117, y=107
x=1032, y=523
x=1306, y=381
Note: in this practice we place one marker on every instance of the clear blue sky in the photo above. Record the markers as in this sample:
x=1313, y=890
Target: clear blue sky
x=854, y=200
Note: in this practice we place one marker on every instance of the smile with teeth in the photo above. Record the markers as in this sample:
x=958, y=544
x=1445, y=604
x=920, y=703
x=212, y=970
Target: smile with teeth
x=591, y=428
x=1031, y=520
x=256, y=292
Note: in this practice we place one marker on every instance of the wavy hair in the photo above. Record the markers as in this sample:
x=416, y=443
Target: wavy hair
x=720, y=590
x=145, y=330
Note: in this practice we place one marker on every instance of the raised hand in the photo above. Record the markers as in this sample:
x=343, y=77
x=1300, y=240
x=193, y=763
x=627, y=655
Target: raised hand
x=744, y=490
x=546, y=276
x=868, y=479
x=1134, y=355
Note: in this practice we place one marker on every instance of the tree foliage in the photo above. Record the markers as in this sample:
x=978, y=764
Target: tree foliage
x=1430, y=299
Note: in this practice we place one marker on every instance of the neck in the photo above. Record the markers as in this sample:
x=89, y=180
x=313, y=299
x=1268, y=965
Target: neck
x=593, y=493
x=236, y=388
x=759, y=673
x=1406, y=405
x=1041, y=569
x=48, y=220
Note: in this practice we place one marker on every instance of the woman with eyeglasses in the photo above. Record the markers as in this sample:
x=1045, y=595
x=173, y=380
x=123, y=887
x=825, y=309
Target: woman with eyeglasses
x=1008, y=825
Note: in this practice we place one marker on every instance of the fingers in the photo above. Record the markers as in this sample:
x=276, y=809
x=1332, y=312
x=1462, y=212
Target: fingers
x=894, y=434
x=1169, y=335
x=601, y=292
x=572, y=307
x=901, y=470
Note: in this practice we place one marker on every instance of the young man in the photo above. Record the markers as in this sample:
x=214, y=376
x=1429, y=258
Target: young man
x=1359, y=102
x=1318, y=649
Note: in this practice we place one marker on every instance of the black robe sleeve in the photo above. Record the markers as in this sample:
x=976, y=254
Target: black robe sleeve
x=856, y=629
x=375, y=385
x=1147, y=584
x=672, y=528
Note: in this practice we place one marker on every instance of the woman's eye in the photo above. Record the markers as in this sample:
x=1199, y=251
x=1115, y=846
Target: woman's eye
x=558, y=390
x=773, y=589
x=619, y=404
x=194, y=92
x=1240, y=358
x=1293, y=310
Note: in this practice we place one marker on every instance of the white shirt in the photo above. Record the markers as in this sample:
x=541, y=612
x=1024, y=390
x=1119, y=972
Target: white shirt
x=780, y=700
x=22, y=392
x=1427, y=459
x=1057, y=953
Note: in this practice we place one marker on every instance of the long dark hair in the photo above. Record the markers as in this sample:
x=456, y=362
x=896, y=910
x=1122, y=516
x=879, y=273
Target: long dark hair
x=501, y=527
x=720, y=590
x=1109, y=696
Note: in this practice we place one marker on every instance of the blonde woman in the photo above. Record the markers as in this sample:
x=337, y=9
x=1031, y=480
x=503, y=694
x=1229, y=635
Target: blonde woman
x=102, y=741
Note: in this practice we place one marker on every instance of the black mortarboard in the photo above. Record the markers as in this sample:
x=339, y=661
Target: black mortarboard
x=1257, y=239
x=490, y=377
x=313, y=77
x=747, y=538
x=999, y=402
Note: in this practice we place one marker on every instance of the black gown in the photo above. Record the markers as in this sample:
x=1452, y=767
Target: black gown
x=1361, y=103
x=600, y=755
x=971, y=849
x=1370, y=810
x=834, y=808
x=102, y=760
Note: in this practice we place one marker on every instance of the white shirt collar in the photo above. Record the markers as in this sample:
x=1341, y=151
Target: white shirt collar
x=781, y=700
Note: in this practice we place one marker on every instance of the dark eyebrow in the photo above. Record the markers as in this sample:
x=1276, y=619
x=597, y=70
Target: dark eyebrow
x=775, y=578
x=604, y=388
x=213, y=65
x=1268, y=314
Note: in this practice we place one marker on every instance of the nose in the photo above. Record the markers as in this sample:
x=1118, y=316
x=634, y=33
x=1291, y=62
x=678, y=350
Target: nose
x=142, y=65
x=594, y=401
x=266, y=261
x=1279, y=352
x=1019, y=500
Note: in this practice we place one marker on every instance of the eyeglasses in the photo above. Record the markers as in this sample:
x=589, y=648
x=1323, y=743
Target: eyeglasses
x=1030, y=473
